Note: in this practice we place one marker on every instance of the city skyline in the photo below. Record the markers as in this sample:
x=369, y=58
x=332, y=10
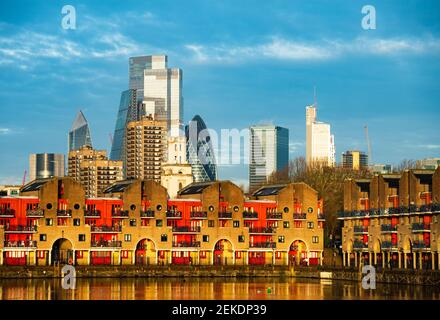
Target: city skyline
x=234, y=75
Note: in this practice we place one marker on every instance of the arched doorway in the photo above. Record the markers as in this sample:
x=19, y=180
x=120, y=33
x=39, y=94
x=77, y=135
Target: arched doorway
x=145, y=252
x=62, y=252
x=408, y=254
x=379, y=256
x=223, y=253
x=298, y=253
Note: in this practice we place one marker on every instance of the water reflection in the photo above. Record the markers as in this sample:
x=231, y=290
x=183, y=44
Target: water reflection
x=211, y=289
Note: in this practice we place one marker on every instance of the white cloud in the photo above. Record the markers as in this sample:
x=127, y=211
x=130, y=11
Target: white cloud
x=293, y=50
x=431, y=146
x=5, y=131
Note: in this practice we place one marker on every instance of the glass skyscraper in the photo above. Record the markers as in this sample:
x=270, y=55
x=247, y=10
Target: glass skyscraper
x=269, y=152
x=79, y=134
x=46, y=165
x=199, y=150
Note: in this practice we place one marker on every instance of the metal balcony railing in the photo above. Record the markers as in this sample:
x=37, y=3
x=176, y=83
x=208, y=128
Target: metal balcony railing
x=421, y=245
x=174, y=214
x=263, y=245
x=7, y=212
x=107, y=244
x=120, y=214
x=147, y=213
x=110, y=229
x=21, y=244
x=274, y=215
x=64, y=213
x=35, y=213
x=21, y=228
x=198, y=214
x=92, y=213
x=421, y=227
x=186, y=229
x=225, y=215
x=299, y=216
x=186, y=244
x=263, y=230
x=250, y=215
x=360, y=245
x=388, y=228
x=388, y=245
x=360, y=229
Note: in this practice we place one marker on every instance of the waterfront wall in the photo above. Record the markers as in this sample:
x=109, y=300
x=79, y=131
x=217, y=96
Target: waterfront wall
x=383, y=276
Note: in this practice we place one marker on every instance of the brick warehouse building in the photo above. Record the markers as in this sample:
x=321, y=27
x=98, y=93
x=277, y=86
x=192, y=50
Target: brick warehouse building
x=136, y=223
x=393, y=220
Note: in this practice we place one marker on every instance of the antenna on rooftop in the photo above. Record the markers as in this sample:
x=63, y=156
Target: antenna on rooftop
x=315, y=102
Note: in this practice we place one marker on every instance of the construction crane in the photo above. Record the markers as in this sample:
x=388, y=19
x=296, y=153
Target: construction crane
x=24, y=178
x=370, y=157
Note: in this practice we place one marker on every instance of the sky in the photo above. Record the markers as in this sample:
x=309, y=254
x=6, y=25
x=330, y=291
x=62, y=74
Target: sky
x=244, y=63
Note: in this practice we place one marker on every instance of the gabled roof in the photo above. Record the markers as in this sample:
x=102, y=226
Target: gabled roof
x=119, y=186
x=35, y=185
x=195, y=188
x=269, y=190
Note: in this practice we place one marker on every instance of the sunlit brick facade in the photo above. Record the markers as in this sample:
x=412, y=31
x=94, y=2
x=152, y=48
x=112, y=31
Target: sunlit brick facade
x=137, y=223
x=392, y=220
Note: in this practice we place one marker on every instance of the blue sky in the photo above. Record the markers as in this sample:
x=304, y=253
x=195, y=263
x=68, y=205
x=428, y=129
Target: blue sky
x=244, y=62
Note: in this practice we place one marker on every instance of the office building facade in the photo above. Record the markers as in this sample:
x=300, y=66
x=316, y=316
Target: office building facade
x=355, y=160
x=269, y=152
x=46, y=165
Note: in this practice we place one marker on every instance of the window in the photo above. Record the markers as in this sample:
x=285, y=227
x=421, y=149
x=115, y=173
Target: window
x=164, y=238
x=133, y=223
x=76, y=222
x=310, y=225
x=49, y=206
x=286, y=209
x=315, y=239
x=43, y=237
x=49, y=222
x=286, y=224
x=236, y=224
x=211, y=223
x=205, y=238
x=132, y=207
x=76, y=206
x=158, y=223
x=240, y=238
x=82, y=237
x=127, y=237
x=281, y=239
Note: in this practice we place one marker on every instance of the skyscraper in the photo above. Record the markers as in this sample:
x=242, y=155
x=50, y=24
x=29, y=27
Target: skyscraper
x=46, y=165
x=93, y=170
x=269, y=152
x=79, y=134
x=355, y=160
x=199, y=150
x=320, y=145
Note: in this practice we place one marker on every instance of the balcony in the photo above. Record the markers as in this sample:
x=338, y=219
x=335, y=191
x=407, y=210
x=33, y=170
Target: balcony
x=20, y=229
x=186, y=229
x=360, y=229
x=225, y=215
x=321, y=216
x=7, y=213
x=172, y=214
x=107, y=244
x=388, y=245
x=120, y=214
x=421, y=245
x=106, y=229
x=299, y=216
x=198, y=214
x=21, y=244
x=263, y=245
x=186, y=244
x=388, y=228
x=64, y=213
x=250, y=215
x=360, y=245
x=262, y=230
x=274, y=216
x=92, y=213
x=421, y=227
x=35, y=213
x=147, y=213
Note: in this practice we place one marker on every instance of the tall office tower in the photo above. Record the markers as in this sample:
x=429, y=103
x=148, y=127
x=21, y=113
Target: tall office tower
x=46, y=165
x=269, y=152
x=93, y=170
x=158, y=89
x=145, y=149
x=356, y=160
x=129, y=110
x=176, y=171
x=199, y=151
x=79, y=134
x=320, y=145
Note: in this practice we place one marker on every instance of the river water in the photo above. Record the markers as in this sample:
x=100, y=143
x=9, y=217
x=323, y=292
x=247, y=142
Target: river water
x=207, y=288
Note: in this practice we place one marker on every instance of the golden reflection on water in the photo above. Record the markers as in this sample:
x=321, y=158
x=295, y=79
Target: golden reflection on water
x=207, y=289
